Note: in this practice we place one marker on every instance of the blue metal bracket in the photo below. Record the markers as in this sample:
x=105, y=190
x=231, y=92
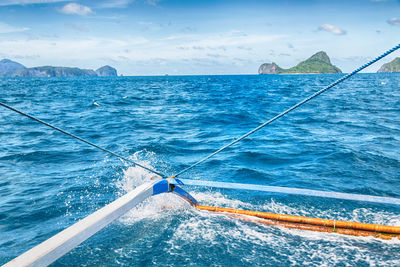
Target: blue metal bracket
x=172, y=186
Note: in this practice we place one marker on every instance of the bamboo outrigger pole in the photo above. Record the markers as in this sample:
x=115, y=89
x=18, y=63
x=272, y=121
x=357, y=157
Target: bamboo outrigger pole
x=313, y=224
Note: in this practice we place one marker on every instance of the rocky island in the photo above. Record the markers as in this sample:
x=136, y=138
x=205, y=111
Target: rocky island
x=318, y=63
x=106, y=71
x=10, y=68
x=393, y=66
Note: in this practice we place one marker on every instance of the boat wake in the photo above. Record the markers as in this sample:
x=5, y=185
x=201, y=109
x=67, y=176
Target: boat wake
x=213, y=232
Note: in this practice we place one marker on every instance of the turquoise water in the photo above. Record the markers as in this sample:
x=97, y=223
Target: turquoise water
x=347, y=140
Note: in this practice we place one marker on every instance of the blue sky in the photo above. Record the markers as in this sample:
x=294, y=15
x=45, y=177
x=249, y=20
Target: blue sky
x=155, y=37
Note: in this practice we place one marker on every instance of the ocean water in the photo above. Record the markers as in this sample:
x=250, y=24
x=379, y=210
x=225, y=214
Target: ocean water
x=346, y=140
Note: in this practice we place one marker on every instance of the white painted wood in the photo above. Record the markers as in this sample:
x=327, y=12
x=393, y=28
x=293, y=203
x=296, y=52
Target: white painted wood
x=58, y=245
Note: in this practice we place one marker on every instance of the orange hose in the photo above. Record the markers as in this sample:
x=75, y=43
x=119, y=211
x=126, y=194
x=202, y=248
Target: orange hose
x=315, y=224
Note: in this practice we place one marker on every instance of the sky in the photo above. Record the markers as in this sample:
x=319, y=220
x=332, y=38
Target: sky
x=188, y=37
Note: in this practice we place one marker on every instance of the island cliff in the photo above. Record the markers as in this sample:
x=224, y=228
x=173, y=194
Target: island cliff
x=10, y=68
x=393, y=66
x=49, y=71
x=106, y=71
x=318, y=63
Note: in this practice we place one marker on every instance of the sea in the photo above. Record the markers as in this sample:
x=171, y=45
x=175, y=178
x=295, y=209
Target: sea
x=346, y=140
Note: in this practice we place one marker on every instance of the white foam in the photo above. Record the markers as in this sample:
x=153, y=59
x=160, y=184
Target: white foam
x=155, y=207
x=299, y=247
x=135, y=176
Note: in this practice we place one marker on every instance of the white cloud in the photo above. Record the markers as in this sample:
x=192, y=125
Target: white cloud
x=115, y=3
x=76, y=9
x=204, y=49
x=28, y=2
x=5, y=28
x=394, y=21
x=68, y=49
x=332, y=29
x=218, y=41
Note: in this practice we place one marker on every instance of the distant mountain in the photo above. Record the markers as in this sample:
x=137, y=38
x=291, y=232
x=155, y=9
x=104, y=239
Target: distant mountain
x=106, y=71
x=48, y=71
x=318, y=63
x=393, y=66
x=8, y=68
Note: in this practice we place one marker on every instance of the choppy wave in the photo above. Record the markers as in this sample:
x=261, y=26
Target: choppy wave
x=346, y=140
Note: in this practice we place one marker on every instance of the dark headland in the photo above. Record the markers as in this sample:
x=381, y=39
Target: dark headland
x=9, y=68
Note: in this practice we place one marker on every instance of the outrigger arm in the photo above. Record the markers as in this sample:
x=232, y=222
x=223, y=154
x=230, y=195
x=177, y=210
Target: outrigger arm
x=52, y=249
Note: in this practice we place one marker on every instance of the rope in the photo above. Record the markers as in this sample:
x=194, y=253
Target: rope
x=80, y=139
x=290, y=109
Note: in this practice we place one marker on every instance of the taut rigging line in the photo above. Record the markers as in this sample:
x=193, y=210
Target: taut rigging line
x=225, y=146
x=289, y=109
x=80, y=139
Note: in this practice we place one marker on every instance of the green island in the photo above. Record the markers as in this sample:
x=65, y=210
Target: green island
x=392, y=66
x=318, y=63
x=9, y=68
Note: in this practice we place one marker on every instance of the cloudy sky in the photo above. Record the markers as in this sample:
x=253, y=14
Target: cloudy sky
x=155, y=37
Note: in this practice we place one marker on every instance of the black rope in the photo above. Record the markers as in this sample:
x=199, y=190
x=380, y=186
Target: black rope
x=290, y=109
x=81, y=139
